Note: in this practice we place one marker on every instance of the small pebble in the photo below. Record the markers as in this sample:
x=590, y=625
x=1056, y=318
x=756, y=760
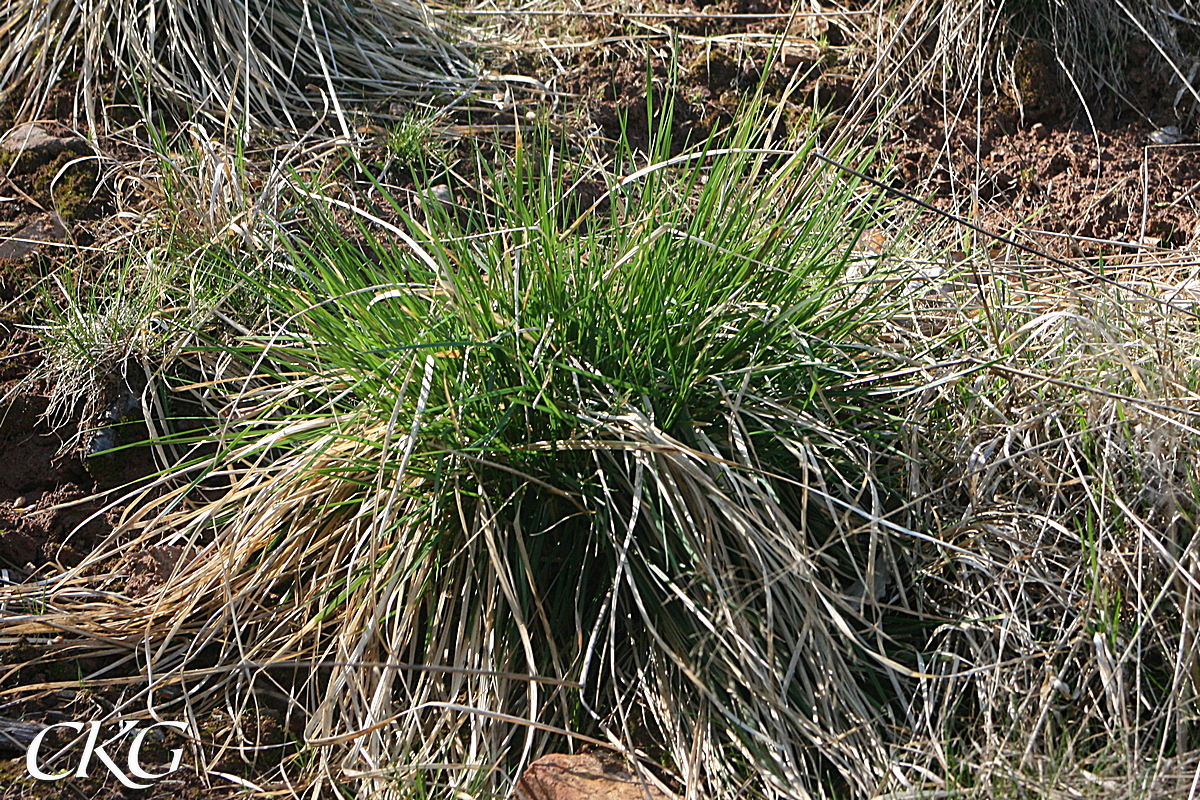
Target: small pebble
x=1168, y=135
x=20, y=502
x=440, y=194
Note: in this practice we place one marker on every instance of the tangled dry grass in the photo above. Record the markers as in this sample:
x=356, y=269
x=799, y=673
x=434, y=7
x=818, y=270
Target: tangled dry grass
x=1067, y=574
x=962, y=51
x=230, y=63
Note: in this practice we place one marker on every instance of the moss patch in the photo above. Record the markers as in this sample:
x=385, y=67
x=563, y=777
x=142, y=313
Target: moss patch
x=71, y=194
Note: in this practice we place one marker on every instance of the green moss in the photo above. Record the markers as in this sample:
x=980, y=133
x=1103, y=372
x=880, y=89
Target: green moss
x=72, y=192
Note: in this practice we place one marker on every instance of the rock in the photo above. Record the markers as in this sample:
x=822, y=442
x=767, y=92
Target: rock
x=582, y=777
x=16, y=735
x=107, y=457
x=45, y=230
x=33, y=145
x=440, y=194
x=796, y=53
x=1168, y=135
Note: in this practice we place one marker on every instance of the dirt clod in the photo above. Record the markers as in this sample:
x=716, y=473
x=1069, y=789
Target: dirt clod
x=151, y=568
x=45, y=231
x=582, y=777
x=34, y=145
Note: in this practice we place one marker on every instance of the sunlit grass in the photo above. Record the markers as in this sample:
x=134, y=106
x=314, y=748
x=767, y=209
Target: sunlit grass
x=230, y=62
x=600, y=452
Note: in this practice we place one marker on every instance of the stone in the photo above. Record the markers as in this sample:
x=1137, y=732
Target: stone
x=1039, y=82
x=31, y=146
x=582, y=777
x=16, y=735
x=1167, y=136
x=441, y=195
x=34, y=140
x=796, y=53
x=46, y=230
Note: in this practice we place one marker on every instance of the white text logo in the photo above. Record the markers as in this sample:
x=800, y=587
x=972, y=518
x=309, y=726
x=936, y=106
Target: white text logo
x=92, y=749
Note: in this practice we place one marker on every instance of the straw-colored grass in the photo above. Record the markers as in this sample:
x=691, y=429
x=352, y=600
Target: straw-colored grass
x=264, y=61
x=1055, y=466
x=1023, y=51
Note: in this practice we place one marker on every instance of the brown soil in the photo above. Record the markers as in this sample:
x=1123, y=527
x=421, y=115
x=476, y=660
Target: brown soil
x=1112, y=184
x=1037, y=160
x=704, y=84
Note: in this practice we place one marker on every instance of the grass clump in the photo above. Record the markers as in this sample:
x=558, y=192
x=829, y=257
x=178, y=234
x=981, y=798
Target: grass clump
x=273, y=63
x=666, y=471
x=411, y=142
x=511, y=483
x=97, y=332
x=208, y=191
x=1046, y=60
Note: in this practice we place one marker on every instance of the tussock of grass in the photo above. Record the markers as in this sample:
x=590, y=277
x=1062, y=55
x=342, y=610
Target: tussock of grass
x=522, y=485
x=274, y=63
x=668, y=475
x=1031, y=51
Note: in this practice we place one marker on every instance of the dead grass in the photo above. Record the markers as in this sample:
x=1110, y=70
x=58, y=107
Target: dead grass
x=1023, y=50
x=298, y=64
